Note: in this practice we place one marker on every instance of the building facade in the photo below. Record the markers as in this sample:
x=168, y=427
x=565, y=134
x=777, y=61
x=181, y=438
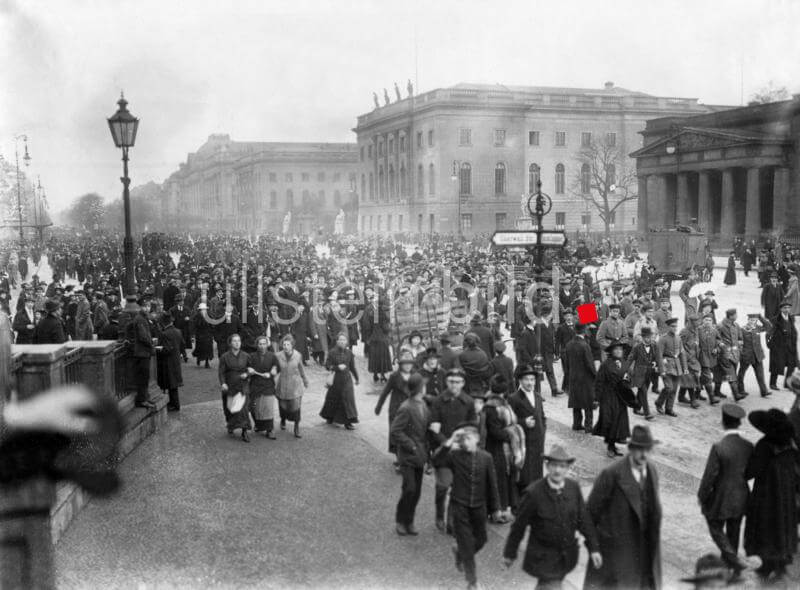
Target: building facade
x=250, y=187
x=733, y=173
x=465, y=158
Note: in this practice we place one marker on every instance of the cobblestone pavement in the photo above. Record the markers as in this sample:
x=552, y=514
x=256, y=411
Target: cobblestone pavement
x=201, y=509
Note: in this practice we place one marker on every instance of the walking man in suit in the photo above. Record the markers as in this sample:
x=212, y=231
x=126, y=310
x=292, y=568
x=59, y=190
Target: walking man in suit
x=578, y=359
x=723, y=491
x=554, y=509
x=527, y=405
x=626, y=511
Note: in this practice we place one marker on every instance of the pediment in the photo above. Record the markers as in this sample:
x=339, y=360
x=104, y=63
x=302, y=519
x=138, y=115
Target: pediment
x=692, y=139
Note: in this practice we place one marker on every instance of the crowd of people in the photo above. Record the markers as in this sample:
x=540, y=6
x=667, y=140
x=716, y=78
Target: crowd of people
x=473, y=415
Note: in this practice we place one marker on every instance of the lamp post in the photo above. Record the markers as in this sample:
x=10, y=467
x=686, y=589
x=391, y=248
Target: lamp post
x=673, y=147
x=27, y=160
x=454, y=178
x=539, y=205
x=123, y=128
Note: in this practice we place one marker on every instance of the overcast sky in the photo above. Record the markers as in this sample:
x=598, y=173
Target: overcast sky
x=303, y=71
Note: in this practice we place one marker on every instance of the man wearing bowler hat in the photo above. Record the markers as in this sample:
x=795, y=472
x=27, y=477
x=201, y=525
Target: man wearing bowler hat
x=625, y=508
x=554, y=509
x=723, y=491
x=782, y=344
x=527, y=405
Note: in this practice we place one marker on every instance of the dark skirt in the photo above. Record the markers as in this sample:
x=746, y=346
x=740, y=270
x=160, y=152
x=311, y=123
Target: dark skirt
x=240, y=419
x=289, y=409
x=730, y=277
x=340, y=400
x=613, y=424
x=380, y=359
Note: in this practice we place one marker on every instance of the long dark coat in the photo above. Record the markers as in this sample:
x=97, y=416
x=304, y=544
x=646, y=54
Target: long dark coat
x=615, y=506
x=579, y=366
x=302, y=330
x=771, y=527
x=730, y=272
x=340, y=401
x=723, y=490
x=496, y=436
x=771, y=298
x=614, y=397
x=534, y=437
x=203, y=339
x=168, y=359
x=782, y=343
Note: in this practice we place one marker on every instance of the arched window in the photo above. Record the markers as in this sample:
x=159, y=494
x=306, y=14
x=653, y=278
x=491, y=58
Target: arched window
x=337, y=198
x=420, y=181
x=381, y=184
x=534, y=173
x=559, y=179
x=465, y=179
x=500, y=179
x=371, y=187
x=431, y=181
x=289, y=199
x=586, y=179
x=392, y=183
x=403, y=181
x=611, y=175
x=363, y=186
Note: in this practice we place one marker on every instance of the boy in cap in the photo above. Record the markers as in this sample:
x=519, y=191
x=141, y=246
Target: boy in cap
x=474, y=494
x=723, y=491
x=552, y=550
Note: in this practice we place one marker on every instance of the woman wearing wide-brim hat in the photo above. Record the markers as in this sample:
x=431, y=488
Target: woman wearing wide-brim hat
x=771, y=526
x=614, y=395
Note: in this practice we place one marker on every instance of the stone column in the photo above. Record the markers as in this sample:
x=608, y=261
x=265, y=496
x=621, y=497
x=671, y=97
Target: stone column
x=682, y=198
x=668, y=202
x=703, y=202
x=780, y=195
x=728, y=221
x=752, y=222
x=642, y=205
x=654, y=205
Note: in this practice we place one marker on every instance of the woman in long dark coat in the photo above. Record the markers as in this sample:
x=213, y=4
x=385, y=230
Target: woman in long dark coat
x=771, y=526
x=614, y=396
x=380, y=358
x=203, y=337
x=396, y=389
x=301, y=330
x=233, y=379
x=340, y=400
x=730, y=272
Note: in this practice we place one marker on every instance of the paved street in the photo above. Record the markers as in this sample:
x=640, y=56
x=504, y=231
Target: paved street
x=201, y=509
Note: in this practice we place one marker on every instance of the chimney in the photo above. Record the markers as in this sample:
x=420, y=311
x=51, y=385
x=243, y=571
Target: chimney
x=609, y=85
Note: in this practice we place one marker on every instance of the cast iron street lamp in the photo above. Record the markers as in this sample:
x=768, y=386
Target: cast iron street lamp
x=27, y=160
x=539, y=205
x=456, y=178
x=123, y=127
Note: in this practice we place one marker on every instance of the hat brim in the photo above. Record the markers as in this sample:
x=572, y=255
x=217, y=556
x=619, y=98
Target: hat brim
x=567, y=460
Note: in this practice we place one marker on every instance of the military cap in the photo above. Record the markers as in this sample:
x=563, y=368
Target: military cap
x=733, y=411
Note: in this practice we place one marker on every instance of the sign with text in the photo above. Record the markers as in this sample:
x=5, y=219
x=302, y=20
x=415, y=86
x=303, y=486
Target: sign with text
x=520, y=238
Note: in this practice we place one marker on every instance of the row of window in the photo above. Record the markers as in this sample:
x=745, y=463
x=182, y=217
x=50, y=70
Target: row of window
x=371, y=223
x=388, y=183
x=305, y=177
x=534, y=176
x=306, y=199
x=465, y=139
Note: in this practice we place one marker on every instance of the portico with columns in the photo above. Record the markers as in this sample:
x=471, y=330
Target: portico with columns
x=732, y=173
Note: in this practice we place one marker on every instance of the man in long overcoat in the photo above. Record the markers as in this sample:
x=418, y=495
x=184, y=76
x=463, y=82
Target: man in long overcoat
x=578, y=358
x=723, y=491
x=643, y=368
x=782, y=344
x=168, y=361
x=625, y=508
x=771, y=297
x=527, y=405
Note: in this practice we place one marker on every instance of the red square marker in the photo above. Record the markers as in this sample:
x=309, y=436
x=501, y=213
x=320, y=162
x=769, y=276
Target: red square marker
x=587, y=313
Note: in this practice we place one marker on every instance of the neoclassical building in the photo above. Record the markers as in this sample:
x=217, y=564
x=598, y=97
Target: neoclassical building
x=733, y=173
x=464, y=156
x=250, y=186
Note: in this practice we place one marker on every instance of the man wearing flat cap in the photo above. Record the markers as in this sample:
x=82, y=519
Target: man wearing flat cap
x=723, y=491
x=554, y=509
x=752, y=352
x=673, y=365
x=625, y=509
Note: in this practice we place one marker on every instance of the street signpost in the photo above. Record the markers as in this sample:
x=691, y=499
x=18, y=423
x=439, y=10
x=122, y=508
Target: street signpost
x=520, y=238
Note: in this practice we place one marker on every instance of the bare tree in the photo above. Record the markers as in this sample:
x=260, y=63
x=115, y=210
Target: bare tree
x=604, y=179
x=769, y=93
